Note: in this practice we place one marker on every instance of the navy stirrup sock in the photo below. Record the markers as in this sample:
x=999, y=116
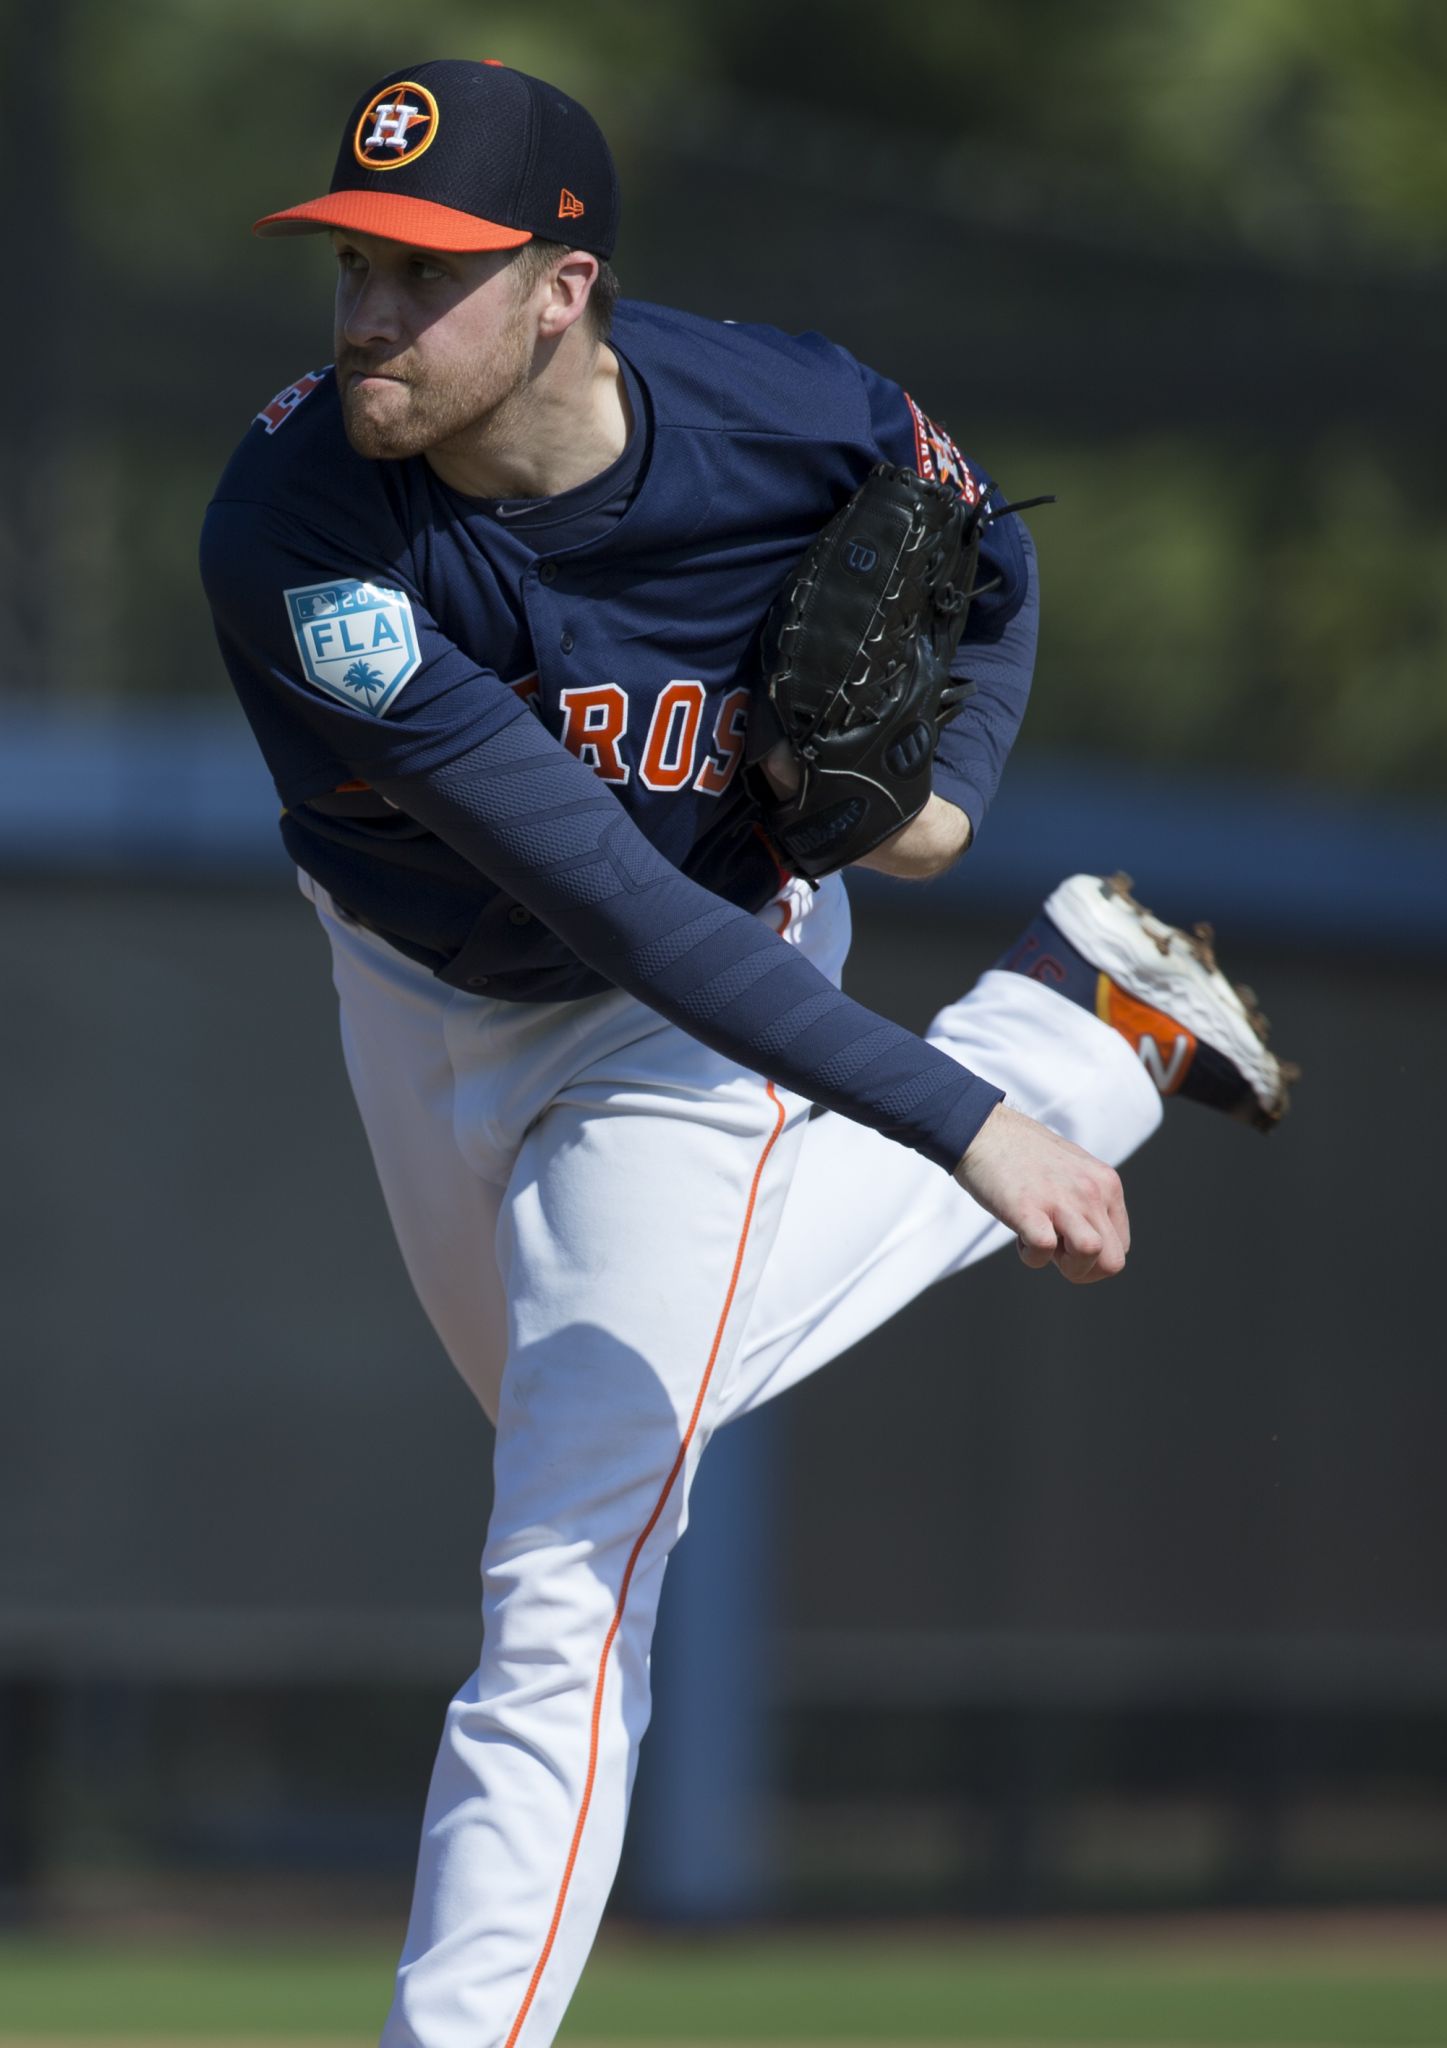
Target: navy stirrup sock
x=1044, y=954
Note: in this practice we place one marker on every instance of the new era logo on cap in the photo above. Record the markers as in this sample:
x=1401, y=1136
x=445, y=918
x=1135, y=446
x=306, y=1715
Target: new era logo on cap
x=461, y=156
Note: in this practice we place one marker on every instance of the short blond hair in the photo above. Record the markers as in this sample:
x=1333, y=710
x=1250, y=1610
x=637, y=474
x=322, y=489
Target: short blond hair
x=536, y=258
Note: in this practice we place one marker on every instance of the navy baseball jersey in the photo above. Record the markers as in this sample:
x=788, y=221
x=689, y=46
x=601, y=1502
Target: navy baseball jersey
x=374, y=622
x=394, y=644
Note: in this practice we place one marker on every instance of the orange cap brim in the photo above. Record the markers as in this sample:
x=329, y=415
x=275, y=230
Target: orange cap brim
x=420, y=223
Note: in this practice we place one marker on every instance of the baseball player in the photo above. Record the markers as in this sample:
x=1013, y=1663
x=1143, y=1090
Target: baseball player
x=492, y=590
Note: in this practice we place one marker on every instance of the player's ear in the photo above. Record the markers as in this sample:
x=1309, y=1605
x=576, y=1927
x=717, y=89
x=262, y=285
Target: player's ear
x=568, y=286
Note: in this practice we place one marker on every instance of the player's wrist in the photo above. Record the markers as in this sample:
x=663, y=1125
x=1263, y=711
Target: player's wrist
x=931, y=842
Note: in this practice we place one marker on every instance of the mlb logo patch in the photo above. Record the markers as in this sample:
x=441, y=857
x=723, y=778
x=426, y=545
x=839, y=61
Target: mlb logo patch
x=356, y=641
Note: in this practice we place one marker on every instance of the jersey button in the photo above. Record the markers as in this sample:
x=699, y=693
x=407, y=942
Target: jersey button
x=519, y=914
x=547, y=572
x=478, y=980
x=566, y=643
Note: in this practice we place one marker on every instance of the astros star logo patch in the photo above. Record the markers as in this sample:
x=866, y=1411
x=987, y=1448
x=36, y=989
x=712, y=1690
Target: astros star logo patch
x=937, y=458
x=397, y=124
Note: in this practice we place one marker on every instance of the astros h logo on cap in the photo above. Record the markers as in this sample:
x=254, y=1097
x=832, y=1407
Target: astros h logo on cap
x=397, y=124
x=458, y=156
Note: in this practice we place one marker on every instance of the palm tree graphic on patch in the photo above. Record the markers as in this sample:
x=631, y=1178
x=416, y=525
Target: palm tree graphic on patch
x=365, y=680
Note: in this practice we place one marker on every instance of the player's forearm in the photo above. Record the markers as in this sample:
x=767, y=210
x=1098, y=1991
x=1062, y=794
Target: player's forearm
x=537, y=821
x=926, y=846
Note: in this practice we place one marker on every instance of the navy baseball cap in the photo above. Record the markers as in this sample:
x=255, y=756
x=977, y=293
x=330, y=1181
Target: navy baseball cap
x=460, y=156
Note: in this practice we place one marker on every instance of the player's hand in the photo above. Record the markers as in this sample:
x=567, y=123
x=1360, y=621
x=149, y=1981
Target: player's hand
x=1065, y=1207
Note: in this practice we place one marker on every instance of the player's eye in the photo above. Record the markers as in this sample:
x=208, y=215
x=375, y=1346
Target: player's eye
x=426, y=273
x=350, y=259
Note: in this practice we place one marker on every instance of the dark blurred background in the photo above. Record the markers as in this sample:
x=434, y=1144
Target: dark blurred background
x=1040, y=1600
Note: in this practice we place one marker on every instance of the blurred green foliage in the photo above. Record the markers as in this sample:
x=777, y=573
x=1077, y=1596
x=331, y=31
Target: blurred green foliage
x=1201, y=606
x=1276, y=121
x=1212, y=593
x=1289, y=124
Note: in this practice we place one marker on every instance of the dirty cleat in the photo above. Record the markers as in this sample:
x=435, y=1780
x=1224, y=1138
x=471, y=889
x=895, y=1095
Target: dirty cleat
x=1196, y=1034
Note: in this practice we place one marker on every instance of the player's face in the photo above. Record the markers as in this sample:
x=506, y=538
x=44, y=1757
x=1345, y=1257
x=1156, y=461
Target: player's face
x=428, y=345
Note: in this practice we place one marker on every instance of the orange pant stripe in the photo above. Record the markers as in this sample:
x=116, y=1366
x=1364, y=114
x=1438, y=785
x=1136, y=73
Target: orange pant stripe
x=634, y=1555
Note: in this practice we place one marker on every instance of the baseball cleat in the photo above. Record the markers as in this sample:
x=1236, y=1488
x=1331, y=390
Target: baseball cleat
x=1196, y=1033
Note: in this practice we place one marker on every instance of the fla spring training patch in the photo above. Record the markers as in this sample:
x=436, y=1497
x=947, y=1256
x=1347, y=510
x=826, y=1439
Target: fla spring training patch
x=356, y=641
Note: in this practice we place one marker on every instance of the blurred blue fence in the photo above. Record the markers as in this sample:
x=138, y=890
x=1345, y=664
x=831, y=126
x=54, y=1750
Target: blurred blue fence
x=181, y=789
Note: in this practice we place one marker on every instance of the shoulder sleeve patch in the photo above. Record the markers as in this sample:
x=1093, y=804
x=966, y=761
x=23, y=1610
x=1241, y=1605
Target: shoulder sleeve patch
x=279, y=410
x=356, y=641
x=937, y=458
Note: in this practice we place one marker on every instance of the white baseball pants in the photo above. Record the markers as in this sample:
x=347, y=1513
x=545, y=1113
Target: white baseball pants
x=624, y=1240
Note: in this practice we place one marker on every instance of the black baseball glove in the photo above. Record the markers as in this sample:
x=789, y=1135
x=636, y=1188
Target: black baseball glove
x=856, y=657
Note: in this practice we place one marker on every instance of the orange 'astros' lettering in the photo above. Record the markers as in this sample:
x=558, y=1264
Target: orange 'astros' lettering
x=595, y=718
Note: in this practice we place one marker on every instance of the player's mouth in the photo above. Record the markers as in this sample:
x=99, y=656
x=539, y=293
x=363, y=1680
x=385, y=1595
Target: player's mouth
x=355, y=371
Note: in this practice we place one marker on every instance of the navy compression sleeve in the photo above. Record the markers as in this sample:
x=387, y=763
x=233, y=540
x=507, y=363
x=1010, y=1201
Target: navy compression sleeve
x=974, y=746
x=537, y=822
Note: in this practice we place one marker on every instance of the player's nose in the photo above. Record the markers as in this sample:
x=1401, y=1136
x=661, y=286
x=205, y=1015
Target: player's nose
x=369, y=313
